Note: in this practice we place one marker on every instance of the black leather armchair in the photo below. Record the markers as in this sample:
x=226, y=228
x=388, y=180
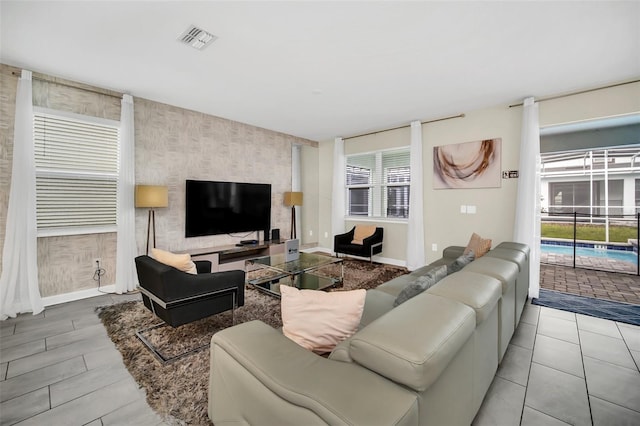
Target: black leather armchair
x=179, y=298
x=370, y=246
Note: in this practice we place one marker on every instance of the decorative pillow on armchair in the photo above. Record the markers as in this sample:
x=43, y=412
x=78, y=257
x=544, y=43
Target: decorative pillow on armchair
x=361, y=232
x=181, y=262
x=421, y=284
x=319, y=320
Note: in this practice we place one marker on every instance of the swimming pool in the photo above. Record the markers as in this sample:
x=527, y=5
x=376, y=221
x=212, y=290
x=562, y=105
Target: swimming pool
x=623, y=255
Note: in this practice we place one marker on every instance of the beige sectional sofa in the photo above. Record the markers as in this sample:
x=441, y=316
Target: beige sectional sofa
x=427, y=361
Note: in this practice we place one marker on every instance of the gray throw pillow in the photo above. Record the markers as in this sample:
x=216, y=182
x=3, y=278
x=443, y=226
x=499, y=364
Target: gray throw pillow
x=438, y=272
x=460, y=262
x=421, y=284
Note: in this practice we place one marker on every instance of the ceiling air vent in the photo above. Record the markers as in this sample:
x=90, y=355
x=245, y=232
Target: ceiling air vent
x=196, y=38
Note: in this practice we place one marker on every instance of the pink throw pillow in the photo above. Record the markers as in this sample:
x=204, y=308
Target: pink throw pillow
x=318, y=320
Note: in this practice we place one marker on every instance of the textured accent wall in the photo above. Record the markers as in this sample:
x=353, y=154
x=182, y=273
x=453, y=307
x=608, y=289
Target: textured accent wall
x=172, y=145
x=8, y=86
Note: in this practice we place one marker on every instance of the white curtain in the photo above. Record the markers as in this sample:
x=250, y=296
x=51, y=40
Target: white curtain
x=19, y=290
x=338, y=200
x=415, y=226
x=296, y=183
x=126, y=249
x=527, y=221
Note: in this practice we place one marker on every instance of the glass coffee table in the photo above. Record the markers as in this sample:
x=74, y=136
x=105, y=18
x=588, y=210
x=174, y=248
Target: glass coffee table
x=309, y=271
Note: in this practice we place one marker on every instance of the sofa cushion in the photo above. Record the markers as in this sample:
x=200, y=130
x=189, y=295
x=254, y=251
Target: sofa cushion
x=421, y=284
x=478, y=245
x=477, y=291
x=181, y=262
x=376, y=304
x=319, y=320
x=505, y=271
x=515, y=246
x=413, y=343
x=460, y=262
x=516, y=256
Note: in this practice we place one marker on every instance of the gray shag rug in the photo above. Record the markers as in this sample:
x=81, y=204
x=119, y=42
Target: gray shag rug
x=178, y=391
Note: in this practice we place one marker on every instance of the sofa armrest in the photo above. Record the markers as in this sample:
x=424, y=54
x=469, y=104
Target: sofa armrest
x=257, y=363
x=178, y=285
x=376, y=237
x=415, y=356
x=203, y=266
x=453, y=252
x=345, y=238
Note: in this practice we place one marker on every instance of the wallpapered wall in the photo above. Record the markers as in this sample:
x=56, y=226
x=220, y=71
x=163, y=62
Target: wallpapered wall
x=172, y=145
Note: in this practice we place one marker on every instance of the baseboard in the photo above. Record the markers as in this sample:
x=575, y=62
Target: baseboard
x=77, y=295
x=321, y=249
x=385, y=260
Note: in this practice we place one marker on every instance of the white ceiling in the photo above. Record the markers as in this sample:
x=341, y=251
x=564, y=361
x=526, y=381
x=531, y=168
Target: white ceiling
x=323, y=69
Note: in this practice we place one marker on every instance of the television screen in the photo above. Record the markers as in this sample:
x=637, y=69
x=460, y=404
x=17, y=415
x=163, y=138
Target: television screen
x=226, y=207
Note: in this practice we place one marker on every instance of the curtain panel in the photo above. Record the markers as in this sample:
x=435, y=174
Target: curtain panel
x=126, y=249
x=339, y=182
x=527, y=220
x=415, y=225
x=19, y=290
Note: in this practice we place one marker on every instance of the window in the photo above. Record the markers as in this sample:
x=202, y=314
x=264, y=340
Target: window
x=76, y=161
x=567, y=197
x=378, y=184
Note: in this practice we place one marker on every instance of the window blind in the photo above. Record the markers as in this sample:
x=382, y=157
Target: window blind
x=76, y=162
x=378, y=184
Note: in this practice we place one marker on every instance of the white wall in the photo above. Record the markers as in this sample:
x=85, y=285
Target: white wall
x=444, y=224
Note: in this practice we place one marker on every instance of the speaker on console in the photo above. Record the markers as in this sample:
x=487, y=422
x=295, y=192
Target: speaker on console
x=266, y=234
x=275, y=234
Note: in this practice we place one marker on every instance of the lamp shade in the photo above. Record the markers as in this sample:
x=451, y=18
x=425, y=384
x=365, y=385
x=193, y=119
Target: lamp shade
x=293, y=198
x=152, y=196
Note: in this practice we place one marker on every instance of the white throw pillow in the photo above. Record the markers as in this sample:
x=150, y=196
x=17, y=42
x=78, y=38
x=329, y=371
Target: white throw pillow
x=318, y=320
x=182, y=262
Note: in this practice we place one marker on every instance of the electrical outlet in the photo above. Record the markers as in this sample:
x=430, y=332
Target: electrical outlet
x=434, y=247
x=97, y=263
x=311, y=233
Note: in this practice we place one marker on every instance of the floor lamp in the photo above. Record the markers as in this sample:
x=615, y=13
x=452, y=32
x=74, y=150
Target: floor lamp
x=293, y=199
x=151, y=197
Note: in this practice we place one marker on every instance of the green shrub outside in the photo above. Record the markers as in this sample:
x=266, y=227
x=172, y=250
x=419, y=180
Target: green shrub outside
x=617, y=233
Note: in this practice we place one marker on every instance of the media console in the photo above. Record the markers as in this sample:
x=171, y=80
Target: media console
x=226, y=258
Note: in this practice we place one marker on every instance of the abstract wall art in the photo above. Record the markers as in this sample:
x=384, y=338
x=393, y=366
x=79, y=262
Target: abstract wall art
x=467, y=165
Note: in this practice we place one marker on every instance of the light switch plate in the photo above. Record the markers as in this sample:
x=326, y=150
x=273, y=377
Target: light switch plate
x=463, y=209
x=434, y=247
x=471, y=209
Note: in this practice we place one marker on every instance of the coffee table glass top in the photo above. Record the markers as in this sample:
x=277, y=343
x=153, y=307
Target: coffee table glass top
x=270, y=272
x=305, y=262
x=303, y=281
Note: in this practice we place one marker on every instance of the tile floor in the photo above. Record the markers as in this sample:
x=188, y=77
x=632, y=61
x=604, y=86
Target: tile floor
x=60, y=368
x=566, y=369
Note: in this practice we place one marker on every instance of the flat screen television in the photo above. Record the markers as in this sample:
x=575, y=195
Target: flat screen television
x=214, y=208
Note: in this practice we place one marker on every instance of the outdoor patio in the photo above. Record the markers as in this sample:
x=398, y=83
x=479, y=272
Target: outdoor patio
x=621, y=286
